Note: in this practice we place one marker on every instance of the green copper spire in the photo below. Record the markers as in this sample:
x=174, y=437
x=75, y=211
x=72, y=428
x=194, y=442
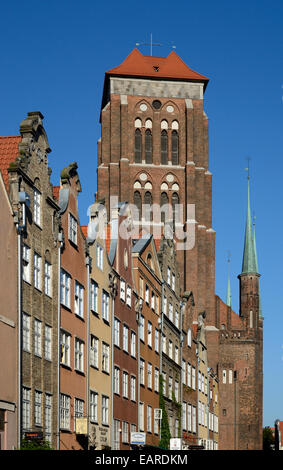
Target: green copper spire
x=249, y=258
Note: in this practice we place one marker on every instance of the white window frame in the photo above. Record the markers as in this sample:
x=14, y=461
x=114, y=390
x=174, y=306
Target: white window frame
x=93, y=405
x=117, y=380
x=105, y=409
x=99, y=256
x=93, y=296
x=94, y=351
x=133, y=388
x=125, y=432
x=141, y=325
x=133, y=344
x=149, y=334
x=26, y=263
x=26, y=408
x=37, y=337
x=37, y=207
x=37, y=271
x=149, y=375
x=125, y=384
x=72, y=229
x=105, y=305
x=65, y=417
x=125, y=338
x=48, y=342
x=105, y=357
x=48, y=417
x=117, y=332
x=79, y=299
x=79, y=355
x=122, y=290
x=149, y=419
x=156, y=379
x=156, y=340
x=65, y=288
x=47, y=278
x=142, y=371
x=26, y=332
x=141, y=416
x=37, y=408
x=129, y=296
x=78, y=410
x=65, y=342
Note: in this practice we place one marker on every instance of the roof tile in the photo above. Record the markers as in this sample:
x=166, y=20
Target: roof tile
x=8, y=153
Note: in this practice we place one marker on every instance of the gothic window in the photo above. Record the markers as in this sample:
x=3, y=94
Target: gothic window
x=148, y=146
x=138, y=146
x=164, y=206
x=175, y=203
x=175, y=147
x=164, y=147
x=138, y=204
x=148, y=204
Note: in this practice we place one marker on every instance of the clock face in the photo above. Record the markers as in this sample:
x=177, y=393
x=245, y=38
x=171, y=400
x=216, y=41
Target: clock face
x=170, y=109
x=143, y=107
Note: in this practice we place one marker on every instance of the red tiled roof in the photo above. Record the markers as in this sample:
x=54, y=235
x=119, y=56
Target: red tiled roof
x=172, y=66
x=84, y=229
x=56, y=190
x=8, y=153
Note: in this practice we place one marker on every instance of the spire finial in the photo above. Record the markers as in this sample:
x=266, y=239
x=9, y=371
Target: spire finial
x=249, y=258
x=229, y=298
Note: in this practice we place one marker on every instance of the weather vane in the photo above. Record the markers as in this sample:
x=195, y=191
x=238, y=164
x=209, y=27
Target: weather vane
x=151, y=44
x=248, y=168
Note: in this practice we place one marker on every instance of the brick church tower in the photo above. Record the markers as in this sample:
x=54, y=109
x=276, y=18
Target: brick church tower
x=153, y=153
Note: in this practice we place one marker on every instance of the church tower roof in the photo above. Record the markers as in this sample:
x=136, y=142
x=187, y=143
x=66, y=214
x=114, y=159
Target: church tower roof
x=249, y=257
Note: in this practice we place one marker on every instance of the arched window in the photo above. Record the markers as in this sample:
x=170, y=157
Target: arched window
x=175, y=202
x=175, y=147
x=138, y=146
x=148, y=204
x=148, y=146
x=164, y=206
x=138, y=204
x=164, y=147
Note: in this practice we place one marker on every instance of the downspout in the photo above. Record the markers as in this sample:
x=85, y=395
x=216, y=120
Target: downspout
x=60, y=239
x=181, y=360
x=88, y=266
x=161, y=342
x=19, y=336
x=112, y=371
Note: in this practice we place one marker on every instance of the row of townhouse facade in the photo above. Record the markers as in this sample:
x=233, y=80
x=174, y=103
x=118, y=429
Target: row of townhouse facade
x=96, y=332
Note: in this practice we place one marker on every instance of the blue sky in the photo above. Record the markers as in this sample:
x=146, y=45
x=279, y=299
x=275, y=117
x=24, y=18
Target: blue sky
x=53, y=58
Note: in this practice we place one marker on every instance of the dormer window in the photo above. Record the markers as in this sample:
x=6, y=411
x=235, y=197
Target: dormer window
x=156, y=68
x=72, y=229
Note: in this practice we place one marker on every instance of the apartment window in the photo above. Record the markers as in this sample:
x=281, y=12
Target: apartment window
x=169, y=276
x=142, y=327
x=65, y=411
x=125, y=384
x=105, y=409
x=26, y=263
x=224, y=376
x=189, y=338
x=141, y=371
x=105, y=306
x=176, y=427
x=47, y=278
x=184, y=416
x=47, y=342
x=37, y=271
x=37, y=337
x=170, y=387
x=36, y=206
x=116, y=332
x=129, y=296
x=93, y=403
x=164, y=343
x=183, y=371
x=125, y=432
x=93, y=356
x=205, y=385
x=79, y=355
x=125, y=338
x=165, y=305
x=170, y=312
x=189, y=409
x=164, y=383
x=170, y=349
x=156, y=380
x=65, y=284
x=37, y=408
x=133, y=388
x=79, y=299
x=149, y=375
x=79, y=410
x=26, y=408
x=194, y=424
x=152, y=300
x=193, y=378
x=146, y=296
x=149, y=334
x=105, y=357
x=141, y=287
x=189, y=373
x=122, y=290
x=141, y=413
x=116, y=434
x=26, y=332
x=99, y=256
x=176, y=390
x=177, y=318
x=202, y=383
x=133, y=344
x=65, y=348
x=72, y=229
x=230, y=376
x=48, y=417
x=149, y=419
x=117, y=380
x=173, y=282
x=156, y=341
x=177, y=354
x=155, y=424
x=93, y=296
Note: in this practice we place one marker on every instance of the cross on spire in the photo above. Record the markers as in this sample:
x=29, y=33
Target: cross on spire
x=149, y=44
